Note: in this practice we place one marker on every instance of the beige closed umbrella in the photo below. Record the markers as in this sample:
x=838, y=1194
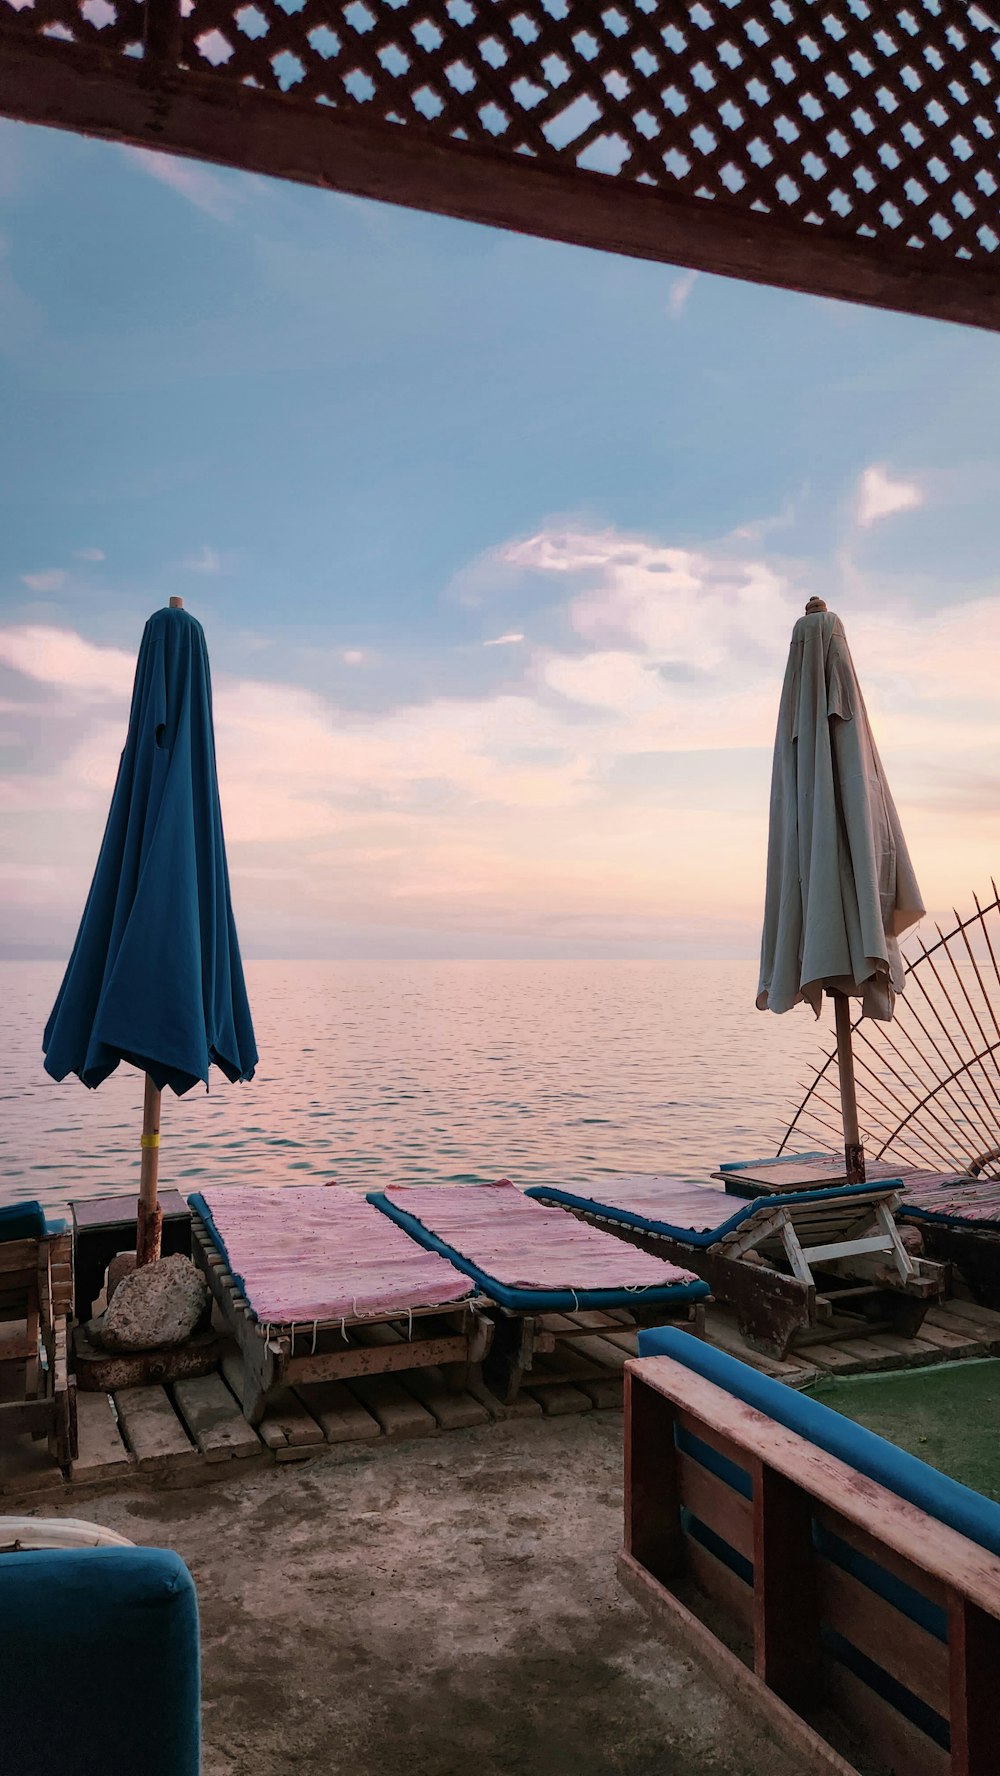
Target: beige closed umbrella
x=840, y=885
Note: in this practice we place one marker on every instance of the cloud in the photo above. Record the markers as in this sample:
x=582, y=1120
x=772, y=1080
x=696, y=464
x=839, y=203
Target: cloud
x=880, y=497
x=679, y=294
x=509, y=640
x=594, y=795
x=52, y=580
x=353, y=656
x=207, y=561
x=207, y=190
x=90, y=554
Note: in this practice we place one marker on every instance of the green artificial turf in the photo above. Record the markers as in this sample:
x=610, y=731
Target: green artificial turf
x=948, y=1415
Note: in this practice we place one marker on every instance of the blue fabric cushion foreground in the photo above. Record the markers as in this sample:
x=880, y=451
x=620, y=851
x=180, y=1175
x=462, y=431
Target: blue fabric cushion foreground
x=958, y=1506
x=692, y=1236
x=155, y=976
x=22, y=1221
x=99, y=1663
x=537, y=1300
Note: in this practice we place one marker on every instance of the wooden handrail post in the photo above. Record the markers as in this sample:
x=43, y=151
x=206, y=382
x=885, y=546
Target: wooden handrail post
x=653, y=1534
x=785, y=1615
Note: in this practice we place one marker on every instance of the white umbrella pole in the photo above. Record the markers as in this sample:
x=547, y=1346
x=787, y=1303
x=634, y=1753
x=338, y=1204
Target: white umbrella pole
x=854, y=1153
x=150, y=1218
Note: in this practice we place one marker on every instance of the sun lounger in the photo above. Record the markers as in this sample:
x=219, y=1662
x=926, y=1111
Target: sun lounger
x=530, y=1261
x=314, y=1286
x=99, y=1663
x=839, y=1588
x=959, y=1220
x=820, y=1262
x=779, y=1175
x=36, y=1300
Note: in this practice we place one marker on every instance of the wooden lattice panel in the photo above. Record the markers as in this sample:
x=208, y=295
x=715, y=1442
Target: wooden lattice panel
x=858, y=117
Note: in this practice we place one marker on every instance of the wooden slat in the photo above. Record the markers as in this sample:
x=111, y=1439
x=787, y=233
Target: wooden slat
x=212, y=1419
x=693, y=1638
x=341, y=1418
x=720, y=1583
x=943, y=1552
x=396, y=1411
x=453, y=1411
x=907, y=1571
x=102, y=1453
x=903, y=1746
x=719, y=1506
x=724, y=1446
x=376, y=1359
x=287, y=1427
x=653, y=1534
x=884, y=1635
x=153, y=1430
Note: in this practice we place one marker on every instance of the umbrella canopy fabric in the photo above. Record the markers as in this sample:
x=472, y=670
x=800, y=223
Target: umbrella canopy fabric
x=840, y=885
x=155, y=976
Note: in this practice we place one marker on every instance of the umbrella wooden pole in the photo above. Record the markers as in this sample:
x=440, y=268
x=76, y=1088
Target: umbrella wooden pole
x=854, y=1153
x=150, y=1218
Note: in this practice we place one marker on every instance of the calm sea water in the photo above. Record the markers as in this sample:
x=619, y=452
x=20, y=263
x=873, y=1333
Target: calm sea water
x=373, y=1073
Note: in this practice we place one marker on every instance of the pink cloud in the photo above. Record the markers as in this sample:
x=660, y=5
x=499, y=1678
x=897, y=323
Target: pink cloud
x=205, y=189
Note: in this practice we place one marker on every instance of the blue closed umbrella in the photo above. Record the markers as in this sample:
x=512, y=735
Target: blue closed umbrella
x=155, y=976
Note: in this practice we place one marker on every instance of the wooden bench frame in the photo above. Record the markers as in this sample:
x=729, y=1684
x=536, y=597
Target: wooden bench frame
x=764, y=1639
x=453, y=1337
x=518, y=1337
x=36, y=1286
x=867, y=1270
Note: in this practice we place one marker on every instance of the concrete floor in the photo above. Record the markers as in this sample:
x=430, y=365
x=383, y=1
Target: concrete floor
x=435, y=1607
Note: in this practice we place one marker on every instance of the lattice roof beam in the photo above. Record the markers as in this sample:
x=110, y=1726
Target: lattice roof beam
x=847, y=148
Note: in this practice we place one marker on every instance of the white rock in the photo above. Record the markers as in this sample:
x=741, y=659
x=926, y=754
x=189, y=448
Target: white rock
x=157, y=1306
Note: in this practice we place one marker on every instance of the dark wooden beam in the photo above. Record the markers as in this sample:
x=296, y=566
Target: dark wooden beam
x=99, y=93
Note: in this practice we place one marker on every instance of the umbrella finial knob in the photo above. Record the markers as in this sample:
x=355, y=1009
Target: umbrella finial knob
x=176, y=604
x=814, y=605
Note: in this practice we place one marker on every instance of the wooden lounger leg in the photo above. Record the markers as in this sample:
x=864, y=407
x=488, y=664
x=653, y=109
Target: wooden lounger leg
x=770, y=1307
x=513, y=1344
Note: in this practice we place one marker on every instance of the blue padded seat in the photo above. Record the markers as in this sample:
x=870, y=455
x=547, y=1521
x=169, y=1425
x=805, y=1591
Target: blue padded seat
x=22, y=1221
x=99, y=1664
x=968, y=1512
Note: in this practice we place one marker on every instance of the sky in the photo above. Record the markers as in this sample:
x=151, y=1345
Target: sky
x=497, y=544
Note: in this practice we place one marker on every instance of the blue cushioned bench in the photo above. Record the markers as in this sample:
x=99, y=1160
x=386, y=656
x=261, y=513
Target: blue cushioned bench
x=36, y=1291
x=831, y=1578
x=99, y=1664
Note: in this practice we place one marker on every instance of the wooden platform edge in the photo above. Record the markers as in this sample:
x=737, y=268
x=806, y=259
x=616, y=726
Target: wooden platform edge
x=735, y=1678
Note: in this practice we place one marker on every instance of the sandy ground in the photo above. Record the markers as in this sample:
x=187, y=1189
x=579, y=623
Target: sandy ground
x=435, y=1607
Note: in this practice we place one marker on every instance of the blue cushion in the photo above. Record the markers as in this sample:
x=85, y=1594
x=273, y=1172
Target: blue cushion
x=691, y=1236
x=911, y=1479
x=99, y=1663
x=537, y=1300
x=22, y=1221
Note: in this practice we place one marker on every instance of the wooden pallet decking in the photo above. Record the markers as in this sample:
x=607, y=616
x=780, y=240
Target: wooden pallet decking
x=196, y=1431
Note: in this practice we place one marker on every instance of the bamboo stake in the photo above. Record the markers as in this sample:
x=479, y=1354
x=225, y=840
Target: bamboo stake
x=150, y=1217
x=854, y=1153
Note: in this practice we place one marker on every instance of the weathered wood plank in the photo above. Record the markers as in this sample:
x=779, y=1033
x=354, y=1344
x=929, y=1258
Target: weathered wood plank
x=219, y=1429
x=903, y=1747
x=558, y=1398
x=339, y=1415
x=286, y=1425
x=884, y=1634
x=396, y=1411
x=606, y=1393
x=454, y=1412
x=728, y=1512
x=153, y=1430
x=102, y=1452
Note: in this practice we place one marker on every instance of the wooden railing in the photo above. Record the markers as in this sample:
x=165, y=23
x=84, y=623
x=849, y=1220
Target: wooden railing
x=814, y=1593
